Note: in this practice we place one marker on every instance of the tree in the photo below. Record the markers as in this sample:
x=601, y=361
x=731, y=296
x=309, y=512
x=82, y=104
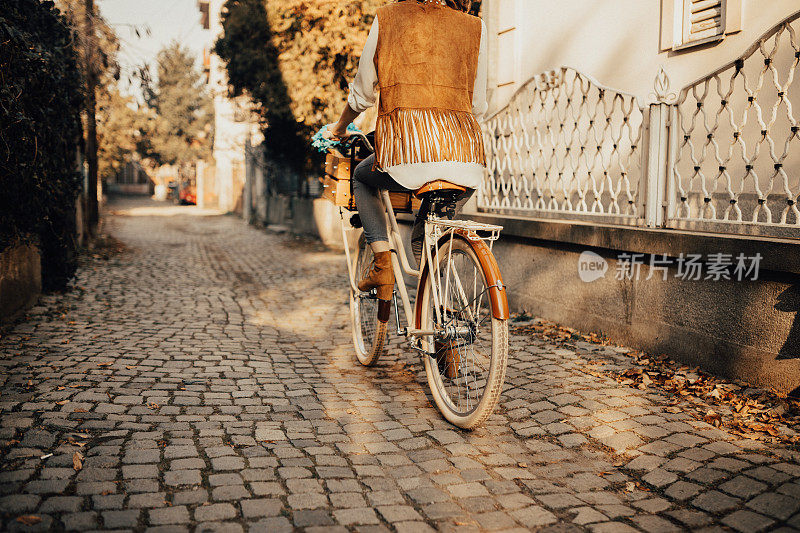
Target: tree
x=182, y=129
x=40, y=103
x=122, y=127
x=295, y=59
x=98, y=51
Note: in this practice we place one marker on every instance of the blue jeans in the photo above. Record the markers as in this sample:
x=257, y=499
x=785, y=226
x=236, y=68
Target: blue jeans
x=367, y=184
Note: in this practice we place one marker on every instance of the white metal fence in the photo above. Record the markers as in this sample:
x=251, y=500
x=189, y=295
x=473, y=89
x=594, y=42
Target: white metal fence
x=737, y=165
x=567, y=147
x=723, y=155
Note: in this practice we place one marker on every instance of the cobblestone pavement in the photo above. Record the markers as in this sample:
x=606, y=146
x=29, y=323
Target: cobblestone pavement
x=205, y=376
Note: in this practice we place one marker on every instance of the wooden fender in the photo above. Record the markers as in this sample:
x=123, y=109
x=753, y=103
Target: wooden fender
x=497, y=295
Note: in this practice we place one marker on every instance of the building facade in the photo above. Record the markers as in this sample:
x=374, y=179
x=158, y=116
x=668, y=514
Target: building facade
x=220, y=182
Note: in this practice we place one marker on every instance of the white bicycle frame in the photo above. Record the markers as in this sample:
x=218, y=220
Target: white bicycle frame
x=435, y=230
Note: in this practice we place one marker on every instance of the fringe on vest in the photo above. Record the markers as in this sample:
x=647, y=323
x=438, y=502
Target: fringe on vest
x=406, y=136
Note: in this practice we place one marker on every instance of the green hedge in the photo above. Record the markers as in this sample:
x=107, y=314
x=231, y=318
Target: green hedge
x=41, y=96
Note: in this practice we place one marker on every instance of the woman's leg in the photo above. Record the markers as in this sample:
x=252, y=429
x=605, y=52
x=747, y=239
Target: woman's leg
x=367, y=184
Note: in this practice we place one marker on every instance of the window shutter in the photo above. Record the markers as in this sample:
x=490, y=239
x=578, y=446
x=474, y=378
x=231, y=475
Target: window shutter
x=688, y=23
x=204, y=13
x=703, y=19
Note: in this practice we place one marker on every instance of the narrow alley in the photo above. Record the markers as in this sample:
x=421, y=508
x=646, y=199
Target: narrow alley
x=203, y=378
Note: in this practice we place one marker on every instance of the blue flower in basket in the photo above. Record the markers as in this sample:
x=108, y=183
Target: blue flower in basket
x=323, y=144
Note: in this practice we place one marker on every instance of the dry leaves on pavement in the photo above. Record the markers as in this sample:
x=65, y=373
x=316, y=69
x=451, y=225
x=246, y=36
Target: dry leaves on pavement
x=749, y=412
x=77, y=461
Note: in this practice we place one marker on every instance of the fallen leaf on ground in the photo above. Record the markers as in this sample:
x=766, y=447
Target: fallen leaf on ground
x=713, y=418
x=749, y=412
x=29, y=519
x=77, y=461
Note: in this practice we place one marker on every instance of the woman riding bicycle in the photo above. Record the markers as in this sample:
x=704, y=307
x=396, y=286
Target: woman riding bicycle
x=428, y=59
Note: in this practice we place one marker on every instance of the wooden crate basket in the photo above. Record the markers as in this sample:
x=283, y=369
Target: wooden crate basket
x=336, y=183
x=336, y=186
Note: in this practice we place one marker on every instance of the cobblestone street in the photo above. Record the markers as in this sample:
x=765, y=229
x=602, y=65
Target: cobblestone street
x=203, y=379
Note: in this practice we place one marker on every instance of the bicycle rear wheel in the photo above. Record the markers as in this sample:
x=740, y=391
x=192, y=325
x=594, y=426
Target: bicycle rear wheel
x=466, y=361
x=369, y=333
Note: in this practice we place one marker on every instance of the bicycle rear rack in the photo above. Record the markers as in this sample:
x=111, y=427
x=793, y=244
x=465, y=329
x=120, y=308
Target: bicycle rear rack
x=485, y=232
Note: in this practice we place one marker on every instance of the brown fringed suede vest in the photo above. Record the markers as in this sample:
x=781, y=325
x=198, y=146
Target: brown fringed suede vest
x=427, y=58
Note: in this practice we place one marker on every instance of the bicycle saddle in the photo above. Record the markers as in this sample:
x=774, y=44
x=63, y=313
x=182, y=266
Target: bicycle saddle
x=439, y=188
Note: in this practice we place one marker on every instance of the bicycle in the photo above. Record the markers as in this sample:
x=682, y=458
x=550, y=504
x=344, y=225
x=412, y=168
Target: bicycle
x=459, y=319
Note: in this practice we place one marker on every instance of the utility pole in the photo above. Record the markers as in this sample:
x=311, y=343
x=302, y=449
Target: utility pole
x=92, y=211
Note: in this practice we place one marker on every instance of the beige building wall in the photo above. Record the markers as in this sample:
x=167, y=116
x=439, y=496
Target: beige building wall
x=617, y=42
x=232, y=123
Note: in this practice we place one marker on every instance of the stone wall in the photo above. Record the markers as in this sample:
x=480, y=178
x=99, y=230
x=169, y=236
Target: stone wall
x=746, y=330
x=20, y=280
x=304, y=216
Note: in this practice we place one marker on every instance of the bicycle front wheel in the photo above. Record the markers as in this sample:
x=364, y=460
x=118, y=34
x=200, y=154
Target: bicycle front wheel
x=369, y=333
x=467, y=357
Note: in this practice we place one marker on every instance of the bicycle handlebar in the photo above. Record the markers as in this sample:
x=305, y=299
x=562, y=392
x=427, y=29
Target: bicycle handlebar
x=361, y=136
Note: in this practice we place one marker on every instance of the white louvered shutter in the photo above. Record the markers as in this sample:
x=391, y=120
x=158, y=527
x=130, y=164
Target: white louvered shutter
x=703, y=19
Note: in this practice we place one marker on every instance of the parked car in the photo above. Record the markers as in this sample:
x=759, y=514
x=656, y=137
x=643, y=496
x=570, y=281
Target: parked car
x=188, y=193
x=183, y=192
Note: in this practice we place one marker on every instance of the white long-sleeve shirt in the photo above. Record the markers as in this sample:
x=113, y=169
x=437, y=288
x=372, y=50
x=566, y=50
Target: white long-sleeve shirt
x=363, y=95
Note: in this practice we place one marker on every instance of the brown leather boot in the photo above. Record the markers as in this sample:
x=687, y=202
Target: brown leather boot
x=380, y=276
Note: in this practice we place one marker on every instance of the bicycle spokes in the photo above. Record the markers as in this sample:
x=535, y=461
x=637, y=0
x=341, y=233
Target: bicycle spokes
x=463, y=342
x=369, y=332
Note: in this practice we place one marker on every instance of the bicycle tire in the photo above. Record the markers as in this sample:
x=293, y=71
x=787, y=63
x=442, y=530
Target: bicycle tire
x=451, y=361
x=369, y=333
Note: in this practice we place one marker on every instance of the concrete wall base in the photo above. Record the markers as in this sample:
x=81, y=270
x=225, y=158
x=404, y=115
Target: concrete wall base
x=20, y=280
x=747, y=330
x=314, y=217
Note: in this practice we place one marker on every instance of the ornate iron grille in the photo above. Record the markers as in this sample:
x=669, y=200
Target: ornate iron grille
x=565, y=147
x=737, y=160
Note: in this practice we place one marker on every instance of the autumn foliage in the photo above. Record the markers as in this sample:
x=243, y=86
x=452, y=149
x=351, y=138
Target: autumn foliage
x=41, y=95
x=295, y=59
x=750, y=412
